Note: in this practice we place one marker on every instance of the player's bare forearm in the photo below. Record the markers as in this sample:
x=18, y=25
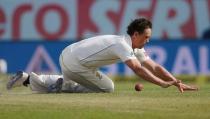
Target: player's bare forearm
x=168, y=76
x=158, y=70
x=164, y=74
x=146, y=74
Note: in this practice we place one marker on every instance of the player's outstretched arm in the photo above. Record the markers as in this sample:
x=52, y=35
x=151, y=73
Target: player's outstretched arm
x=158, y=70
x=162, y=73
x=144, y=73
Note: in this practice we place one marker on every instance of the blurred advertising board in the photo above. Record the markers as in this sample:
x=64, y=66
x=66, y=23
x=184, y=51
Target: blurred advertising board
x=179, y=57
x=76, y=19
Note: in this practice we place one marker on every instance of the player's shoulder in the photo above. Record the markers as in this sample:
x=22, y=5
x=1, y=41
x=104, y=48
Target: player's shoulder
x=112, y=36
x=105, y=37
x=124, y=40
x=111, y=39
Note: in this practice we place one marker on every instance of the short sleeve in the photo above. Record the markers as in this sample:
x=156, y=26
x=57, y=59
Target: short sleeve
x=141, y=54
x=123, y=51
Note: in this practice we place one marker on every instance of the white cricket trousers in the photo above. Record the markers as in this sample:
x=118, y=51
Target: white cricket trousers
x=91, y=79
x=42, y=83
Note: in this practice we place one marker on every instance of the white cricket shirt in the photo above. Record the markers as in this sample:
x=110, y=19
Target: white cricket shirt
x=101, y=50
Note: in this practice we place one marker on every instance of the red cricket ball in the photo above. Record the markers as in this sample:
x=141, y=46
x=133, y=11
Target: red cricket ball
x=139, y=87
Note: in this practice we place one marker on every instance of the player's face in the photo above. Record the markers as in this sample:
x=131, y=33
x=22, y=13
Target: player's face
x=139, y=40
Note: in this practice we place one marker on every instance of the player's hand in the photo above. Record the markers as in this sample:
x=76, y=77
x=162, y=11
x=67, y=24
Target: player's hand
x=180, y=87
x=184, y=87
x=188, y=87
x=177, y=83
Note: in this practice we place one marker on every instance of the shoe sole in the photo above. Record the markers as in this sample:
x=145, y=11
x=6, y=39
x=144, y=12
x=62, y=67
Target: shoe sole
x=14, y=79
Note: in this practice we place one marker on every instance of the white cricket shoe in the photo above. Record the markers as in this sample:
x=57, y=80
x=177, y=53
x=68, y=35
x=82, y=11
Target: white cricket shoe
x=17, y=80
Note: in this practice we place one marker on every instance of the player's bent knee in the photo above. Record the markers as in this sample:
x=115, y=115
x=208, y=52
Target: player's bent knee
x=110, y=88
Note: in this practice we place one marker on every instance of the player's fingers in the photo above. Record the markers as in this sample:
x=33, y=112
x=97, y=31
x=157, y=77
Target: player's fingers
x=191, y=88
x=180, y=88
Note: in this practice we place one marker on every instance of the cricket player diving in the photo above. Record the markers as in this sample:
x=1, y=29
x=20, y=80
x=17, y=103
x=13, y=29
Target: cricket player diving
x=80, y=62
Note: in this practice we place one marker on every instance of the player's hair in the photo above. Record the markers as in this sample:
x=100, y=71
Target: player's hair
x=138, y=25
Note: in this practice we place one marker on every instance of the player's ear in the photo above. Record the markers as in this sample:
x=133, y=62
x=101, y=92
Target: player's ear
x=135, y=34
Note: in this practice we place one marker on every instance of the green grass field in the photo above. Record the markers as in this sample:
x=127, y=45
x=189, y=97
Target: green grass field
x=125, y=103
